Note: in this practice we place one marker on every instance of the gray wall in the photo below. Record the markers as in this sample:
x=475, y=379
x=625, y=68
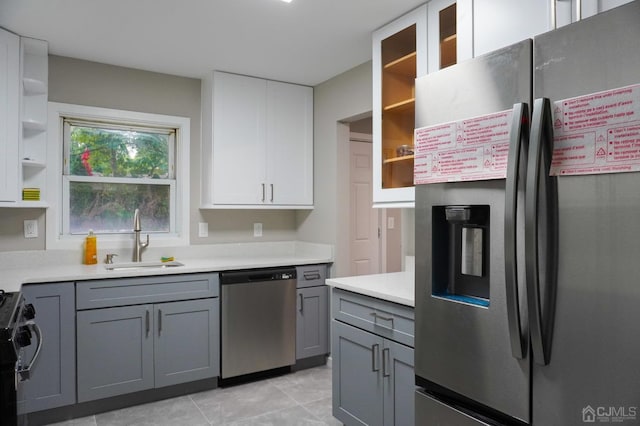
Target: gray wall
x=346, y=97
x=82, y=82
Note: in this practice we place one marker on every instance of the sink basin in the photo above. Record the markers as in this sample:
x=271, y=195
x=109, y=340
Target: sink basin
x=142, y=265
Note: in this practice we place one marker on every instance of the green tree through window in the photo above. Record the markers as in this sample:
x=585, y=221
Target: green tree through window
x=112, y=170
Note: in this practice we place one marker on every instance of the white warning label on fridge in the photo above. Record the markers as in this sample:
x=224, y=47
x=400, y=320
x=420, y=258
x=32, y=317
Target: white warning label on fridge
x=597, y=133
x=470, y=149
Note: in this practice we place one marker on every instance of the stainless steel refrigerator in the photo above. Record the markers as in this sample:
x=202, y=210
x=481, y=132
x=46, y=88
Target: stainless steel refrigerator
x=528, y=285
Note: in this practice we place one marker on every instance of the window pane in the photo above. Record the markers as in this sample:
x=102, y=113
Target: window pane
x=118, y=153
x=109, y=207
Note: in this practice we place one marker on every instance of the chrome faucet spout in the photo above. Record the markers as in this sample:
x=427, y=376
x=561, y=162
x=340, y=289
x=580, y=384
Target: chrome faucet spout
x=136, y=220
x=138, y=245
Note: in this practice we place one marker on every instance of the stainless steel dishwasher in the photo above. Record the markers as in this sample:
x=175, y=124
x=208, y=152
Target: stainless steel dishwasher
x=258, y=320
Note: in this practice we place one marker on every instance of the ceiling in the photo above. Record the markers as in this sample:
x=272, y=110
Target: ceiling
x=305, y=41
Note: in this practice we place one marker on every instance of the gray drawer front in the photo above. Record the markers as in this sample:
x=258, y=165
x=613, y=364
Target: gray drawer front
x=133, y=291
x=311, y=275
x=386, y=319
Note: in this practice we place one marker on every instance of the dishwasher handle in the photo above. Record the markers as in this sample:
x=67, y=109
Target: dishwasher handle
x=257, y=275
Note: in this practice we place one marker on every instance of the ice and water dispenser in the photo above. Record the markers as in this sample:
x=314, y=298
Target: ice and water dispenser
x=461, y=253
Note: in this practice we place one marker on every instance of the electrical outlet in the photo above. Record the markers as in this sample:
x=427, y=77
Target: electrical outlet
x=31, y=229
x=257, y=230
x=203, y=229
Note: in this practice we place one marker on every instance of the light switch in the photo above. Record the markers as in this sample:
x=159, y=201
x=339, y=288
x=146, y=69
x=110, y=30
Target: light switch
x=391, y=222
x=257, y=230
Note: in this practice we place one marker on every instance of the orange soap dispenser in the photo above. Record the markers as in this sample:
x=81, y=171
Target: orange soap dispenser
x=91, y=249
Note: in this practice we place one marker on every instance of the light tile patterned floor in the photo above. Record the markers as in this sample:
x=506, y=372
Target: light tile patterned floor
x=301, y=398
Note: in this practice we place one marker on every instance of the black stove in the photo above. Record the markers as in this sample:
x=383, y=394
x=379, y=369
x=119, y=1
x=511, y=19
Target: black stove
x=16, y=331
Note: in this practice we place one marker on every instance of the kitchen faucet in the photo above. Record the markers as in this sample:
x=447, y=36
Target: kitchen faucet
x=137, y=244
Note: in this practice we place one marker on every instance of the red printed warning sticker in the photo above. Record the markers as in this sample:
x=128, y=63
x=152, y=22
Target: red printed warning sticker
x=470, y=149
x=597, y=133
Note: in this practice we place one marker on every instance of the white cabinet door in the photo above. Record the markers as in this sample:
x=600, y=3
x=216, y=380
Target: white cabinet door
x=257, y=143
x=9, y=115
x=462, y=31
x=500, y=23
x=289, y=144
x=239, y=132
x=399, y=55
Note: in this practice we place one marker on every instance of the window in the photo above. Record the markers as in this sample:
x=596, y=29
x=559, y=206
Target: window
x=112, y=162
x=110, y=170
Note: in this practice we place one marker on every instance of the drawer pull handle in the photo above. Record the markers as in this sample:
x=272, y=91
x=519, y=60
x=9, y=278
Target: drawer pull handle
x=159, y=321
x=147, y=323
x=301, y=302
x=312, y=276
x=374, y=351
x=376, y=316
x=385, y=358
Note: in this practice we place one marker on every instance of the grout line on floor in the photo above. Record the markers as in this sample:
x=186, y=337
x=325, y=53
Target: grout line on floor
x=201, y=412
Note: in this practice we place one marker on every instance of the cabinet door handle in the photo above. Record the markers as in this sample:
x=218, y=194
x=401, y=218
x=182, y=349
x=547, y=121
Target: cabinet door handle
x=272, y=193
x=374, y=351
x=159, y=321
x=385, y=359
x=147, y=323
x=301, y=302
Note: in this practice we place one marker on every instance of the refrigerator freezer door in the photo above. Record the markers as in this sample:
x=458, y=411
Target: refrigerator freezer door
x=594, y=359
x=463, y=348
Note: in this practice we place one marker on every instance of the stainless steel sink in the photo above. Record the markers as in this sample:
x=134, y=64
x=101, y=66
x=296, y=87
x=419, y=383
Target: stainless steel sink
x=142, y=265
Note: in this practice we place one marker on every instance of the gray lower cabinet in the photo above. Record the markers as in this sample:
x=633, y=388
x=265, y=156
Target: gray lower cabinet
x=133, y=348
x=115, y=351
x=373, y=375
x=140, y=333
x=312, y=322
x=53, y=378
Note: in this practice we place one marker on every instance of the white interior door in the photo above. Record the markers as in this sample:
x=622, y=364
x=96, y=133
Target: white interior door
x=364, y=219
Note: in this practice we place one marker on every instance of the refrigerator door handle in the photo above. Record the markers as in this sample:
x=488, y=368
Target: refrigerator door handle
x=516, y=173
x=541, y=263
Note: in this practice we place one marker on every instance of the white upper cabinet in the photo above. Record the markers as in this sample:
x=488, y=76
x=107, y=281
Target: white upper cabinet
x=34, y=66
x=449, y=32
x=289, y=144
x=500, y=23
x=399, y=56
x=9, y=116
x=257, y=143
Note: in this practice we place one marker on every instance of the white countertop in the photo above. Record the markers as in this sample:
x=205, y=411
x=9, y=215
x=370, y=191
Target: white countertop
x=395, y=287
x=18, y=268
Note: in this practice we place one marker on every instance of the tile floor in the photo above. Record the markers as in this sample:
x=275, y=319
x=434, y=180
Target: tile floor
x=300, y=398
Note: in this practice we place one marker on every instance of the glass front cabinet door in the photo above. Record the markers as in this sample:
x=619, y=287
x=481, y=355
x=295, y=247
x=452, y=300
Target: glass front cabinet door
x=399, y=56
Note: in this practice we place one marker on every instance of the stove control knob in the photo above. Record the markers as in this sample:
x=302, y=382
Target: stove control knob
x=23, y=336
x=29, y=312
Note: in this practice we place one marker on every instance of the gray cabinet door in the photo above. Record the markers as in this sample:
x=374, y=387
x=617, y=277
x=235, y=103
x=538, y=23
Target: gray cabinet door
x=312, y=322
x=53, y=378
x=357, y=376
x=114, y=351
x=186, y=341
x=399, y=388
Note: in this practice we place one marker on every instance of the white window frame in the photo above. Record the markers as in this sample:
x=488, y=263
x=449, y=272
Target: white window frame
x=55, y=236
